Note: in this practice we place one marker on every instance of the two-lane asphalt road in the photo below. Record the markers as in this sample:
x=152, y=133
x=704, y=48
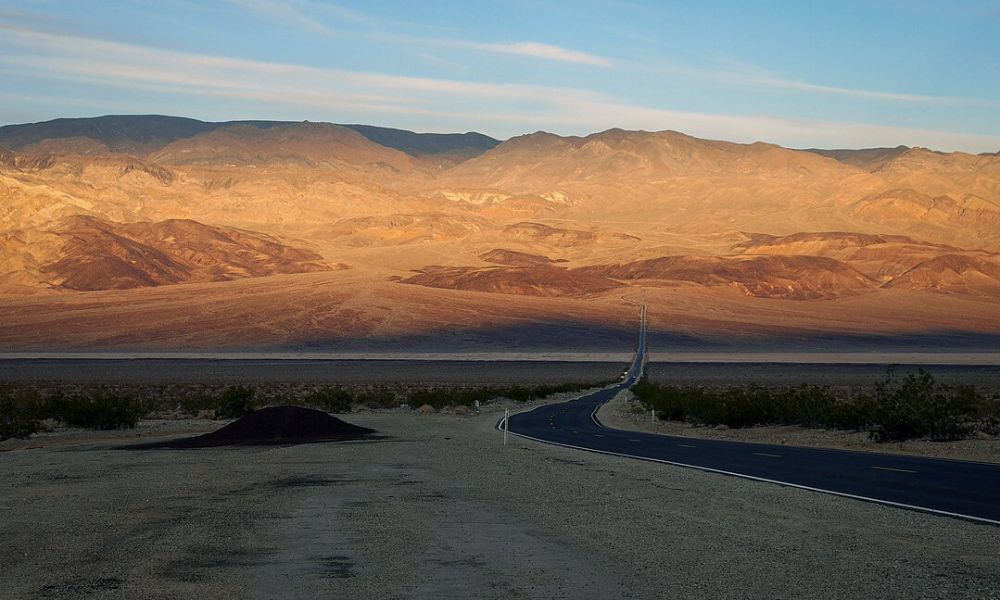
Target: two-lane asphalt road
x=960, y=489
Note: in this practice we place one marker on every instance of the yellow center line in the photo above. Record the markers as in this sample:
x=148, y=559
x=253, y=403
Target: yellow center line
x=894, y=470
x=768, y=455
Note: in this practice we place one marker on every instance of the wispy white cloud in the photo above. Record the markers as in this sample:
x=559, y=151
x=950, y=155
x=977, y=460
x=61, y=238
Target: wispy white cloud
x=309, y=14
x=302, y=13
x=66, y=55
x=337, y=94
x=525, y=49
x=743, y=75
x=803, y=86
x=530, y=49
x=287, y=12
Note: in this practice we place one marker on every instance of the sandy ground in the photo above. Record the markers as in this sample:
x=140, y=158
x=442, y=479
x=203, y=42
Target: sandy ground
x=440, y=509
x=624, y=412
x=360, y=310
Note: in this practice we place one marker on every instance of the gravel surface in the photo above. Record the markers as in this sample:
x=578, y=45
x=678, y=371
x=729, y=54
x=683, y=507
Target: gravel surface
x=441, y=510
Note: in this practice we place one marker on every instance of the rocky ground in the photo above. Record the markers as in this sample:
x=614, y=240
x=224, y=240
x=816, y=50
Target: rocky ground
x=438, y=508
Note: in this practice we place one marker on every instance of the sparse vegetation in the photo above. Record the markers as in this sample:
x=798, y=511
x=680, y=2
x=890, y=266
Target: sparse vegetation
x=331, y=399
x=23, y=409
x=918, y=407
x=451, y=397
x=898, y=408
x=100, y=408
x=20, y=413
x=236, y=401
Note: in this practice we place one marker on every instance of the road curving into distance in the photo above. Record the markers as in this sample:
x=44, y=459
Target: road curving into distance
x=966, y=490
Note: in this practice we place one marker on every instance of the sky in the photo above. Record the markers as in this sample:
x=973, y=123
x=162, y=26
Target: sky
x=829, y=74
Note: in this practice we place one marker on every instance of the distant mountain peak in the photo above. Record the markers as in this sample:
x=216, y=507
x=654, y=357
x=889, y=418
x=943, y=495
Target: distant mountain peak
x=145, y=134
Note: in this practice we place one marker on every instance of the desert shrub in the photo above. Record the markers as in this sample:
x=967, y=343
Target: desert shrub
x=916, y=406
x=23, y=408
x=747, y=406
x=99, y=408
x=20, y=414
x=196, y=402
x=675, y=403
x=989, y=415
x=330, y=399
x=467, y=396
x=235, y=401
x=436, y=397
x=443, y=396
x=519, y=393
x=378, y=397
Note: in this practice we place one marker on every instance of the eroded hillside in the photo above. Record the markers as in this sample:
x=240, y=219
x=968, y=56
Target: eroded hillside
x=130, y=202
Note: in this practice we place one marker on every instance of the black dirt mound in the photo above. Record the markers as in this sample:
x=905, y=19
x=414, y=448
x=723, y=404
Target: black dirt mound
x=274, y=425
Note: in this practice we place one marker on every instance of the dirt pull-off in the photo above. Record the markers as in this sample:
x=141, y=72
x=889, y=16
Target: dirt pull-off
x=274, y=425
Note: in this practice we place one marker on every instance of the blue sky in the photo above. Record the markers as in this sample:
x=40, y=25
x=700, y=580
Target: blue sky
x=819, y=73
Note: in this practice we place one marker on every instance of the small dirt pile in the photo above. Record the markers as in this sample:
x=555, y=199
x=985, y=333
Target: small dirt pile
x=271, y=426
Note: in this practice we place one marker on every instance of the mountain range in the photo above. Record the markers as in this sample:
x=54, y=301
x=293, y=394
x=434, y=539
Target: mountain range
x=354, y=233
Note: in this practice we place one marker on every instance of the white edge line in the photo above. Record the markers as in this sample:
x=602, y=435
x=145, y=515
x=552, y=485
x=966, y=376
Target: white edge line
x=765, y=480
x=914, y=507
x=622, y=385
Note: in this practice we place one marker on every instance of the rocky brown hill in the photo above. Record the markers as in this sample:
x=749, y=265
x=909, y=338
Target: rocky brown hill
x=99, y=255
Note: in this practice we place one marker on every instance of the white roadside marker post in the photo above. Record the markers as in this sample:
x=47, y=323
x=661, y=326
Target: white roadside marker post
x=506, y=424
x=652, y=419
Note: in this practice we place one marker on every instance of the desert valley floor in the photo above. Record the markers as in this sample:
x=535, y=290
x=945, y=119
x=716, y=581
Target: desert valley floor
x=439, y=507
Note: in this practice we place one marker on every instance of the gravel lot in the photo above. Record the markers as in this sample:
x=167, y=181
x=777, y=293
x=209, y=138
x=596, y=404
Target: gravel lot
x=439, y=509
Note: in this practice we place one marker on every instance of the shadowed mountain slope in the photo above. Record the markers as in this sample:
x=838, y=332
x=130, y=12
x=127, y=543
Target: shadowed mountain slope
x=140, y=134
x=879, y=256
x=469, y=144
x=531, y=280
x=305, y=144
x=954, y=274
x=97, y=255
x=790, y=277
x=122, y=133
x=513, y=258
x=869, y=159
